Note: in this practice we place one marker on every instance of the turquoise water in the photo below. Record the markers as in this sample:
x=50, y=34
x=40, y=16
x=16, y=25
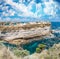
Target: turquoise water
x=48, y=42
x=55, y=25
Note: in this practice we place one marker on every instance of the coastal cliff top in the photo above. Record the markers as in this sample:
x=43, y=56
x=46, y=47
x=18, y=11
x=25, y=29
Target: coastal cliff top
x=6, y=26
x=20, y=23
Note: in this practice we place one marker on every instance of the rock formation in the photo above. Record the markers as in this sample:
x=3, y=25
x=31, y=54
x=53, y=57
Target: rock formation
x=21, y=32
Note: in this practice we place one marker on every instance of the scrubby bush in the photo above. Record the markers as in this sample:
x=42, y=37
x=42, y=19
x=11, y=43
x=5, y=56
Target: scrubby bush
x=40, y=48
x=51, y=53
x=21, y=53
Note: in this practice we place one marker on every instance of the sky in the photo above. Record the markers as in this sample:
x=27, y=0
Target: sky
x=29, y=10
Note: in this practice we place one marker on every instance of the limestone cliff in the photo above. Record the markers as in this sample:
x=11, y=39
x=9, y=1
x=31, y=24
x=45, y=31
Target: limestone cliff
x=21, y=32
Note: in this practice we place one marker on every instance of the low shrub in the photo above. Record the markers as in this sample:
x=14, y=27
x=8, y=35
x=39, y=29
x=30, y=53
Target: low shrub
x=40, y=48
x=21, y=53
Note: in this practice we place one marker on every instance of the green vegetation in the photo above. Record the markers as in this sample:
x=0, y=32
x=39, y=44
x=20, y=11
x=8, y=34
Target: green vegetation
x=51, y=53
x=15, y=53
x=40, y=48
x=20, y=53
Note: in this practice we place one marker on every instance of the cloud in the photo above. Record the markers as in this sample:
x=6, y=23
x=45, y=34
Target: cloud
x=11, y=12
x=5, y=11
x=50, y=8
x=33, y=9
x=20, y=7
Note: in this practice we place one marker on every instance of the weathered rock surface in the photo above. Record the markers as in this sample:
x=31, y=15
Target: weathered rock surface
x=22, y=33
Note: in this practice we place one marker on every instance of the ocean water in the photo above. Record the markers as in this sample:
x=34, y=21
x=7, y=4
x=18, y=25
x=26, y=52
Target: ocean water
x=47, y=41
x=55, y=25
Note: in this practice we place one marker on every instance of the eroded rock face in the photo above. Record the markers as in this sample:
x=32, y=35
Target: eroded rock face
x=23, y=32
x=12, y=53
x=26, y=41
x=5, y=53
x=19, y=26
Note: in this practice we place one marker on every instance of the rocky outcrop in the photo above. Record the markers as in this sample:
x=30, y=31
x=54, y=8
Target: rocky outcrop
x=18, y=26
x=26, y=41
x=5, y=53
x=24, y=32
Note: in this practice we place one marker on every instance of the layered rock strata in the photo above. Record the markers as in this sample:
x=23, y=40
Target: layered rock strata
x=21, y=32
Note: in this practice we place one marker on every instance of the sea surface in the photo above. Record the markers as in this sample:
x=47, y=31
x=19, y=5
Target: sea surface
x=47, y=41
x=55, y=25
